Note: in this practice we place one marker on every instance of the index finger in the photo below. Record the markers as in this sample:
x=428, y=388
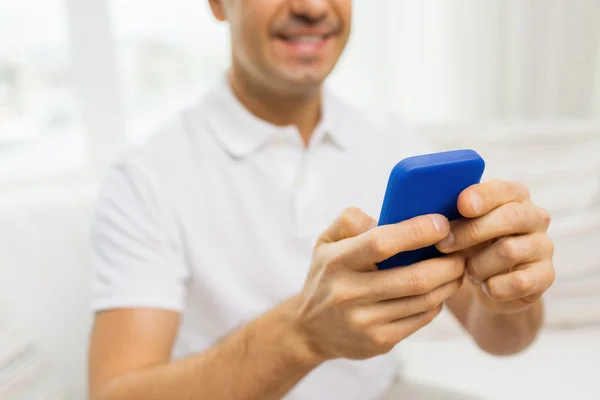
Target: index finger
x=414, y=280
x=383, y=242
x=350, y=223
x=482, y=198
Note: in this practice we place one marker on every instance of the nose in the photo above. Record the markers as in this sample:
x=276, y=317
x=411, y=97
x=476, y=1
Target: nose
x=313, y=10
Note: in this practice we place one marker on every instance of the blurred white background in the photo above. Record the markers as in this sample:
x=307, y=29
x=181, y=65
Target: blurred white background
x=517, y=80
x=80, y=78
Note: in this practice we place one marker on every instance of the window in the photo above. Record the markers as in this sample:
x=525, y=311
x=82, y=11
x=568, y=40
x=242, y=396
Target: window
x=39, y=127
x=169, y=53
x=78, y=79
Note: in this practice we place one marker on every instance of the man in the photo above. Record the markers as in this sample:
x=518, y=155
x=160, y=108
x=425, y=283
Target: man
x=218, y=276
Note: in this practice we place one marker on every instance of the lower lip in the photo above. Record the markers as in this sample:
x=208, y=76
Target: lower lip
x=305, y=48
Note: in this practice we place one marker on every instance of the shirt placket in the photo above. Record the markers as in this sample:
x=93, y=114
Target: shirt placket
x=307, y=202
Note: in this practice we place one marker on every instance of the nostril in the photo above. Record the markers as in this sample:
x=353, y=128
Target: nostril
x=312, y=20
x=311, y=8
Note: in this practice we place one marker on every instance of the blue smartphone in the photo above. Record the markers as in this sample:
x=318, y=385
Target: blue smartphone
x=427, y=184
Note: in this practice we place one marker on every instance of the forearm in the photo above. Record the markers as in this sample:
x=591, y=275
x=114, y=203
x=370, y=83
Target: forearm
x=504, y=334
x=498, y=334
x=262, y=360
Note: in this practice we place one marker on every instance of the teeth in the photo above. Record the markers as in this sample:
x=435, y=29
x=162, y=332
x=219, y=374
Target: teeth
x=308, y=39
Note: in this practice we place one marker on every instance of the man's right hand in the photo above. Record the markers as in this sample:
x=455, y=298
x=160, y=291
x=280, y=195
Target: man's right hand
x=350, y=309
x=347, y=309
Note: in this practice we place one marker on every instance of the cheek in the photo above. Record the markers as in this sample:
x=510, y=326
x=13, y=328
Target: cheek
x=253, y=22
x=248, y=41
x=344, y=10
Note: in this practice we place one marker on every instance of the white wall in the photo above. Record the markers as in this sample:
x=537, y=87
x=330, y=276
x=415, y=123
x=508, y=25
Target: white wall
x=596, y=102
x=434, y=61
x=465, y=60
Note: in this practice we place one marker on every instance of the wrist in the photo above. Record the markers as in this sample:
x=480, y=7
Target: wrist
x=504, y=332
x=299, y=337
x=292, y=337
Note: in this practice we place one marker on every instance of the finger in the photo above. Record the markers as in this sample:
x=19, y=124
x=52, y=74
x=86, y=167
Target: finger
x=350, y=223
x=509, y=252
x=482, y=198
x=528, y=283
x=508, y=219
x=414, y=280
x=389, y=335
x=390, y=310
x=383, y=242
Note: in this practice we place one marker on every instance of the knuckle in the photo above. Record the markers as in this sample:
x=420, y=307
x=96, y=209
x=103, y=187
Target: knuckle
x=509, y=188
x=545, y=216
x=523, y=283
x=360, y=320
x=340, y=293
x=376, y=243
x=510, y=250
x=551, y=275
x=418, y=282
x=348, y=218
x=382, y=340
x=537, y=249
x=431, y=300
x=549, y=244
x=474, y=229
x=516, y=214
x=520, y=187
x=513, y=189
x=351, y=212
x=542, y=248
x=416, y=231
x=320, y=256
x=331, y=265
x=323, y=239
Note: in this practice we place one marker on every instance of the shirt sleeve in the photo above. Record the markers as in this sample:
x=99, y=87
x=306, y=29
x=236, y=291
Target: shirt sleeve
x=136, y=259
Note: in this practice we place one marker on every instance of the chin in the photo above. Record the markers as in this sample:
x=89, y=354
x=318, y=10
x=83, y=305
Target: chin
x=304, y=78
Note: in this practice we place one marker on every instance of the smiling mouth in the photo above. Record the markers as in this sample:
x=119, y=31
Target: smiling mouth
x=304, y=39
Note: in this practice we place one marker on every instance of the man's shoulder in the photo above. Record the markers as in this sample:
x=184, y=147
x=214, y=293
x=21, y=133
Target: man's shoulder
x=167, y=147
x=154, y=168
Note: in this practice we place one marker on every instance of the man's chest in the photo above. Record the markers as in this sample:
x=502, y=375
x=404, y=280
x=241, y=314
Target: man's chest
x=249, y=229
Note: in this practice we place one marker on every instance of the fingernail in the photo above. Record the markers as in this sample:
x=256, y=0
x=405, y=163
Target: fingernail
x=476, y=202
x=447, y=242
x=440, y=223
x=485, y=289
x=473, y=279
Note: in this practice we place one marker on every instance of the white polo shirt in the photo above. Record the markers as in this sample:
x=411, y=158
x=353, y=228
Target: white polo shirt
x=216, y=215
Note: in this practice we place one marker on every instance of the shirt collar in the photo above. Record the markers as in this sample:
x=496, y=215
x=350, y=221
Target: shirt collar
x=241, y=133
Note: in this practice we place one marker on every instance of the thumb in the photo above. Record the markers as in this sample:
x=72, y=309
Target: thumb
x=350, y=223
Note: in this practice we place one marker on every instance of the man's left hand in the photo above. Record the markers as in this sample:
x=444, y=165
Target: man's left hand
x=503, y=236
